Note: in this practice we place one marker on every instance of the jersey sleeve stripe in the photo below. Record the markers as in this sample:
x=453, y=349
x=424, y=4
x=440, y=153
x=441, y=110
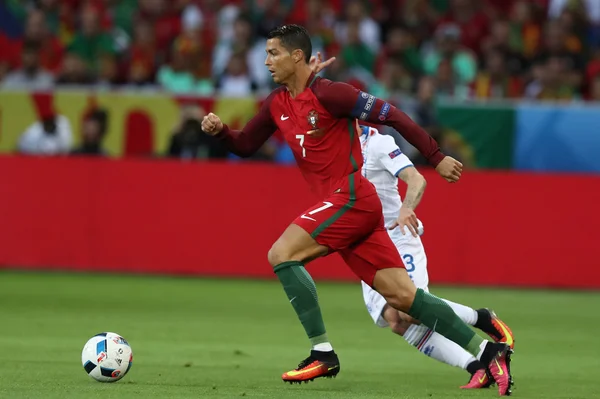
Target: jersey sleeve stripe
x=402, y=168
x=351, y=131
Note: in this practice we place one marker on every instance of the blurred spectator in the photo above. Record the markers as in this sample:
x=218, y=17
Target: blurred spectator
x=91, y=42
x=50, y=136
x=74, y=72
x=178, y=76
x=358, y=16
x=266, y=15
x=471, y=21
x=114, y=43
x=575, y=25
x=555, y=46
x=122, y=14
x=525, y=30
x=401, y=46
x=143, y=56
x=590, y=7
x=394, y=79
x=92, y=133
x=425, y=109
x=499, y=40
x=31, y=76
x=447, y=84
x=355, y=53
x=595, y=89
x=59, y=17
x=447, y=48
x=236, y=81
x=108, y=72
x=36, y=31
x=243, y=41
x=165, y=22
x=552, y=81
x=189, y=43
x=319, y=19
x=189, y=142
x=496, y=81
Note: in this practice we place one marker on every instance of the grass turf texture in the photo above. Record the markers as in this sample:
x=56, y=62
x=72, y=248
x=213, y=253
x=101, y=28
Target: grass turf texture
x=196, y=338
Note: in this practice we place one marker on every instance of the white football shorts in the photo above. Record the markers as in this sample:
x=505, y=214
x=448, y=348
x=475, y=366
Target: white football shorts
x=413, y=254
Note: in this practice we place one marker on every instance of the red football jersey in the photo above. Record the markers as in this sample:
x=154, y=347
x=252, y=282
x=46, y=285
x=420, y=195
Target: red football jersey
x=331, y=109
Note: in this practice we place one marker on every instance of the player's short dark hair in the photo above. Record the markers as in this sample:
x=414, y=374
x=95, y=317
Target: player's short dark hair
x=293, y=37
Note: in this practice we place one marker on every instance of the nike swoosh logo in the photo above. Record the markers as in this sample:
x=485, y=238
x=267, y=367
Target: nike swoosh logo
x=505, y=331
x=333, y=368
x=500, y=371
x=284, y=118
x=294, y=373
x=307, y=217
x=483, y=379
x=293, y=299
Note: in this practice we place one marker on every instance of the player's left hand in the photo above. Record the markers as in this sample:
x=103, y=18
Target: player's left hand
x=407, y=218
x=450, y=169
x=317, y=64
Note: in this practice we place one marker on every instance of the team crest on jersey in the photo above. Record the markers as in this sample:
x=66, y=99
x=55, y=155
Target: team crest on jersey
x=313, y=119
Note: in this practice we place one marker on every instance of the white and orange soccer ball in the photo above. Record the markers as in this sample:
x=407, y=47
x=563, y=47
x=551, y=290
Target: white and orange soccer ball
x=107, y=357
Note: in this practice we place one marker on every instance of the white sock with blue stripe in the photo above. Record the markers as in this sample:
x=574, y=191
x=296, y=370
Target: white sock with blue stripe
x=437, y=346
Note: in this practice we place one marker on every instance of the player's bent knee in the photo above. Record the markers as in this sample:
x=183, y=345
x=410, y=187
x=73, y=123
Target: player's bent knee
x=277, y=255
x=396, y=287
x=295, y=244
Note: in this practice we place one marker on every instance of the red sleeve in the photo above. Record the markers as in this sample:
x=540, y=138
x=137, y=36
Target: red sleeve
x=247, y=141
x=344, y=101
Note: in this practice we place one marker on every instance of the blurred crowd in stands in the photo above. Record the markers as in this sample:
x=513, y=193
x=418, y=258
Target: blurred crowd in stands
x=533, y=49
x=409, y=52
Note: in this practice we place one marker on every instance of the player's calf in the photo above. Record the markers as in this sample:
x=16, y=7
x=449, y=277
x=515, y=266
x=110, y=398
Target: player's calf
x=295, y=244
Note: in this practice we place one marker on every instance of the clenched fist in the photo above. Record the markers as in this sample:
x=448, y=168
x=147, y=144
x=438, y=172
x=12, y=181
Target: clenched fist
x=450, y=169
x=211, y=124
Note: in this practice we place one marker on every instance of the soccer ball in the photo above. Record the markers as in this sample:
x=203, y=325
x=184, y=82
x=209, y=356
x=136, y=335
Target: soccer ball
x=107, y=357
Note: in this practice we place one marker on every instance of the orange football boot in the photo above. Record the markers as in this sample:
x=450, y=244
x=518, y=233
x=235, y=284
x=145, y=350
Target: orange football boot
x=318, y=364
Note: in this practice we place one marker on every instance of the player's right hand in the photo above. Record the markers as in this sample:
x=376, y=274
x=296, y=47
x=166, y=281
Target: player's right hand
x=406, y=219
x=211, y=124
x=450, y=169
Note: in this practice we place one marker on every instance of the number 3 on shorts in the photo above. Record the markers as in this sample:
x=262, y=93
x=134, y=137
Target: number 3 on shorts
x=408, y=260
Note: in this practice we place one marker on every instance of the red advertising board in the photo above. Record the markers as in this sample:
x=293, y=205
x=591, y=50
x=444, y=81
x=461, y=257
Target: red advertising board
x=152, y=216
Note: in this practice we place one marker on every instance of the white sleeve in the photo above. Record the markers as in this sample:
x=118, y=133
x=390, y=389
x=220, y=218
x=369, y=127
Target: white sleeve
x=390, y=156
x=28, y=142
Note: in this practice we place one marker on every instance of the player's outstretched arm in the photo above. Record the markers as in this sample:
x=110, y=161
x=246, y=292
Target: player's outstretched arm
x=345, y=101
x=247, y=141
x=416, y=184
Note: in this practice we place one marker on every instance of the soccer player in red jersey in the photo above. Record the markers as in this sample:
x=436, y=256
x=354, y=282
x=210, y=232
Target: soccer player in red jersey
x=319, y=120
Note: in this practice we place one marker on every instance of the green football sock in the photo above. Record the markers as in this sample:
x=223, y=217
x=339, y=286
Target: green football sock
x=439, y=316
x=302, y=293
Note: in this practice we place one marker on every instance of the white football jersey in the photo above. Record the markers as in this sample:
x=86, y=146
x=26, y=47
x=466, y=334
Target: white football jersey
x=383, y=160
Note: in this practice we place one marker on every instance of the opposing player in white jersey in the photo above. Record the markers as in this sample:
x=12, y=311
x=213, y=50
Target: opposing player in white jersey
x=384, y=163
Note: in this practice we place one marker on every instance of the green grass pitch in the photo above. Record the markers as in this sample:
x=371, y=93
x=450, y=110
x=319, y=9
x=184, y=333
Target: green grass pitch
x=196, y=338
